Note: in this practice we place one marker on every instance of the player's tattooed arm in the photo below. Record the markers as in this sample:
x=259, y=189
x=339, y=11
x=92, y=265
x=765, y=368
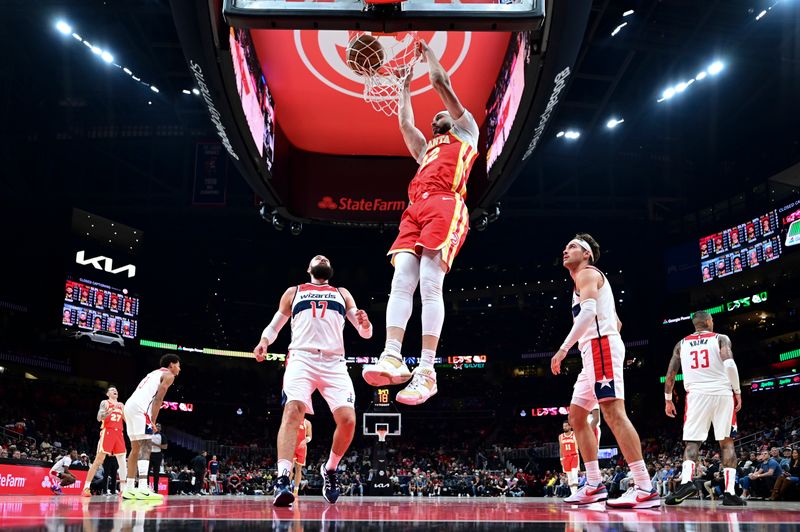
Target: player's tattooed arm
x=102, y=413
x=672, y=370
x=725, y=351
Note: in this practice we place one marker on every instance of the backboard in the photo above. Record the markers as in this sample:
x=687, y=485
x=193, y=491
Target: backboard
x=386, y=16
x=370, y=420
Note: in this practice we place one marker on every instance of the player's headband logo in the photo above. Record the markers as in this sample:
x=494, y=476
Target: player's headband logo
x=585, y=245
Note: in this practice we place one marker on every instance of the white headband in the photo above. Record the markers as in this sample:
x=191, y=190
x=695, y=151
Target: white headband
x=585, y=245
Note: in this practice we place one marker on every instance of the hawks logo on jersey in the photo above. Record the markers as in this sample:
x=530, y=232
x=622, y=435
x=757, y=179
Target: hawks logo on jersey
x=445, y=167
x=115, y=416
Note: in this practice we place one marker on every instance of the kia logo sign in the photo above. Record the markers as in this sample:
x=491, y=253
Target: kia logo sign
x=360, y=205
x=104, y=263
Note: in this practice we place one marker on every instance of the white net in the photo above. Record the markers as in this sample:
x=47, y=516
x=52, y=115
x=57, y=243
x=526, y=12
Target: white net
x=384, y=67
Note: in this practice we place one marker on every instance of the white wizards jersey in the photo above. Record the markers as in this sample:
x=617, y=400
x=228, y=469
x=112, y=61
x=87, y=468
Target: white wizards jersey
x=701, y=365
x=318, y=316
x=605, y=323
x=146, y=391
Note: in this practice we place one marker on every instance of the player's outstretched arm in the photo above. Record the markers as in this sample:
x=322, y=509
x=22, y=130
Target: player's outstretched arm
x=731, y=371
x=413, y=137
x=270, y=333
x=166, y=381
x=356, y=316
x=587, y=282
x=441, y=82
x=672, y=371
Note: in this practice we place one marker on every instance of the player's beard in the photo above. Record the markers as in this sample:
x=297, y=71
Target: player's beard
x=441, y=130
x=323, y=272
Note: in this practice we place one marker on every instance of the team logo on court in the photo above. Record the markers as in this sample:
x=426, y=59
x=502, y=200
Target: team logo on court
x=324, y=53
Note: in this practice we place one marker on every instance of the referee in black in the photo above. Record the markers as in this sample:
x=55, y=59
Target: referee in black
x=158, y=444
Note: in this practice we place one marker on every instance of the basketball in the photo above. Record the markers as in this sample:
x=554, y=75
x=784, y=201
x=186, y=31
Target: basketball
x=364, y=54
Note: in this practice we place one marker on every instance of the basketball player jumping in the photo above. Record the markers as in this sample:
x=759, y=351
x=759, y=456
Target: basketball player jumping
x=315, y=362
x=711, y=378
x=141, y=411
x=568, y=453
x=596, y=329
x=112, y=441
x=432, y=230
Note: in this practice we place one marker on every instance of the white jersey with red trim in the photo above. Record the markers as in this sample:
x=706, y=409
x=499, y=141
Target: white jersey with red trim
x=318, y=316
x=147, y=389
x=701, y=365
x=605, y=323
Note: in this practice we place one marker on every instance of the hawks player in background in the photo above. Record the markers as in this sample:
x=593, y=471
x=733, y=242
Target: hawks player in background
x=112, y=441
x=300, y=453
x=713, y=396
x=315, y=362
x=141, y=412
x=432, y=231
x=596, y=328
x=568, y=453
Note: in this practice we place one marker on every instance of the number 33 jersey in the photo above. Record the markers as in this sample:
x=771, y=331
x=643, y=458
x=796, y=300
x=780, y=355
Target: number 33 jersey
x=701, y=365
x=318, y=317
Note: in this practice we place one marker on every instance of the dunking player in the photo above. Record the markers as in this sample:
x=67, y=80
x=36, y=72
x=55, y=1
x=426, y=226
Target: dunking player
x=432, y=230
x=60, y=475
x=711, y=379
x=112, y=441
x=300, y=453
x=568, y=453
x=141, y=411
x=315, y=362
x=596, y=329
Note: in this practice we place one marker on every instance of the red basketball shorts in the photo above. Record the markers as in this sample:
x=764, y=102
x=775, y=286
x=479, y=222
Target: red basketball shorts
x=111, y=442
x=570, y=462
x=300, y=453
x=438, y=221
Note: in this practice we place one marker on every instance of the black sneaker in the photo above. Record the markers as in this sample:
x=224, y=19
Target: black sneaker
x=330, y=486
x=685, y=491
x=283, y=492
x=732, y=500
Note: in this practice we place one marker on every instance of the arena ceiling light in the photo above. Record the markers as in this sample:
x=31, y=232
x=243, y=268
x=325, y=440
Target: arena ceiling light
x=614, y=122
x=107, y=57
x=618, y=28
x=711, y=70
x=570, y=134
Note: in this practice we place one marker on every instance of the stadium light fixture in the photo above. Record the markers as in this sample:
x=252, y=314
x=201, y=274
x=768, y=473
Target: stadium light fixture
x=572, y=134
x=628, y=13
x=63, y=27
x=559, y=134
x=618, y=28
x=614, y=122
x=715, y=67
x=107, y=57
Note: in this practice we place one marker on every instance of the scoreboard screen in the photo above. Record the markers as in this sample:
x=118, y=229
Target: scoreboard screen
x=93, y=306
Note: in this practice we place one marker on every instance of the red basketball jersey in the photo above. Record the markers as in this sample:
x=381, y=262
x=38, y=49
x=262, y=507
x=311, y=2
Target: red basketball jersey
x=301, y=434
x=114, y=419
x=445, y=167
x=569, y=447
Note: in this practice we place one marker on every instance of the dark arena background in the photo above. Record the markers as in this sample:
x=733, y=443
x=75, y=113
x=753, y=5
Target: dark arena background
x=169, y=168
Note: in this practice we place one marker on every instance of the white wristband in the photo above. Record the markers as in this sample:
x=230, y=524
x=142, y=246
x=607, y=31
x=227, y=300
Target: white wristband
x=668, y=396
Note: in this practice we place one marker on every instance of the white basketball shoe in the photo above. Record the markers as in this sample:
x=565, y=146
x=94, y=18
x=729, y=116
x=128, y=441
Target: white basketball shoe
x=421, y=388
x=388, y=370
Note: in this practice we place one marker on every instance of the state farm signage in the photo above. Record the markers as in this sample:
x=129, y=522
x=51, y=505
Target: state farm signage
x=34, y=480
x=360, y=204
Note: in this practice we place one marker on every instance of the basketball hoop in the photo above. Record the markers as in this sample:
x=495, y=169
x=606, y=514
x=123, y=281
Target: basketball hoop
x=382, y=430
x=384, y=67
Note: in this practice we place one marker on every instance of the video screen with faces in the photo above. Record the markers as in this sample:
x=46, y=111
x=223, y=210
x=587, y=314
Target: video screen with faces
x=91, y=306
x=736, y=249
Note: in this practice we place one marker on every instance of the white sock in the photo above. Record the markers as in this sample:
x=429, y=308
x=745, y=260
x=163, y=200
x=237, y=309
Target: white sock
x=393, y=347
x=640, y=476
x=426, y=361
x=333, y=461
x=593, y=476
x=129, y=484
x=730, y=480
x=143, y=466
x=284, y=467
x=687, y=473
x=143, y=483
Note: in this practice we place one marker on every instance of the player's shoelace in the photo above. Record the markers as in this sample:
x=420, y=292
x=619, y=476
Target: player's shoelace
x=330, y=480
x=418, y=382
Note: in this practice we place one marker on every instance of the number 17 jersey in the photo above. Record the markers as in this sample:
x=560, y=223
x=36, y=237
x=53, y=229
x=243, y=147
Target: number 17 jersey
x=318, y=316
x=701, y=364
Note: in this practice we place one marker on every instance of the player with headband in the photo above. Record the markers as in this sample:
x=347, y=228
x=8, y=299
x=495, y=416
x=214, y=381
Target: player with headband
x=596, y=328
